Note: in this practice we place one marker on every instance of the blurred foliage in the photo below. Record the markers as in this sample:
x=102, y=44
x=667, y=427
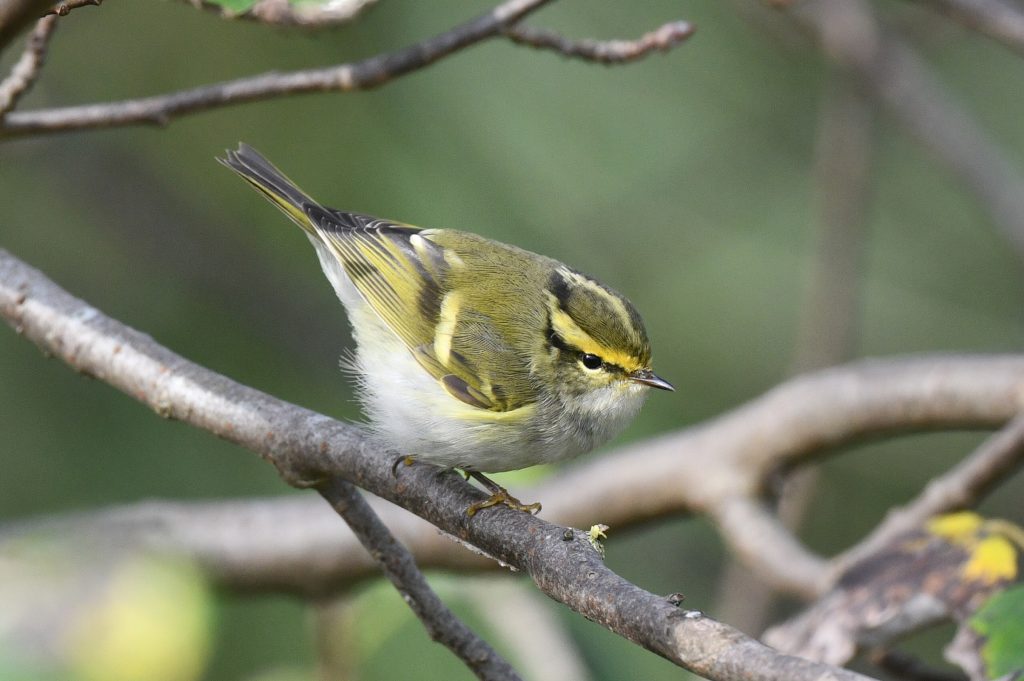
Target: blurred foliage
x=1001, y=623
x=685, y=181
x=73, y=611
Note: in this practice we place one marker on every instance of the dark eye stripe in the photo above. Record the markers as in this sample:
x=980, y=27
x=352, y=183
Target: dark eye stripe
x=556, y=341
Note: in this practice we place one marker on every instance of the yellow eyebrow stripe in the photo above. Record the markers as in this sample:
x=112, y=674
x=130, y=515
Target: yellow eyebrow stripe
x=573, y=335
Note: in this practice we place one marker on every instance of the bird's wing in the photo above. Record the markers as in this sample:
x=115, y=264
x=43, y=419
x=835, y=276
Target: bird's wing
x=404, y=276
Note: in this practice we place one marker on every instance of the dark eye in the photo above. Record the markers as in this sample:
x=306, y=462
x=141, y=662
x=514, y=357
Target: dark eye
x=590, y=361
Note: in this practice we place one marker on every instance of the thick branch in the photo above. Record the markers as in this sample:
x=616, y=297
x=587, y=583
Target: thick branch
x=768, y=548
x=287, y=545
x=308, y=447
x=399, y=567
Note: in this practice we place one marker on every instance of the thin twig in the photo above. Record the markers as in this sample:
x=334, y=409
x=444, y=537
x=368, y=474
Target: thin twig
x=309, y=448
x=998, y=19
x=894, y=75
x=65, y=6
x=26, y=70
x=608, y=52
x=960, y=487
x=399, y=567
x=361, y=75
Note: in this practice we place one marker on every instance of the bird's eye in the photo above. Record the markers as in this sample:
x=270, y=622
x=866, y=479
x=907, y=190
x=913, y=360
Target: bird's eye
x=591, y=361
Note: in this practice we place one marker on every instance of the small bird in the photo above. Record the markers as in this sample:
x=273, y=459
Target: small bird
x=471, y=353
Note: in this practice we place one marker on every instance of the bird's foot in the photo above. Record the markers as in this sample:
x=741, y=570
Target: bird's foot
x=503, y=497
x=499, y=495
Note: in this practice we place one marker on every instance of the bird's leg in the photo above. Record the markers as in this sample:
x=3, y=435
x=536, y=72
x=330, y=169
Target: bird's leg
x=499, y=495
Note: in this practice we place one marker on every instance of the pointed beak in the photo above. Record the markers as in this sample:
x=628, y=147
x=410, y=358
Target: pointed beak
x=647, y=377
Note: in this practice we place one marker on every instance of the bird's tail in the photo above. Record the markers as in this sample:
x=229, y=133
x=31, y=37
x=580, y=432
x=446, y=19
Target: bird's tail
x=272, y=183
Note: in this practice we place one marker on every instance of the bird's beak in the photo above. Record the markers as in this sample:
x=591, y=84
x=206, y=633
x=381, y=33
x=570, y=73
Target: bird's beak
x=647, y=377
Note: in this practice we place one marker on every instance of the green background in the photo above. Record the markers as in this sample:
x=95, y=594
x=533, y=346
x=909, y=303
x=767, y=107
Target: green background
x=685, y=181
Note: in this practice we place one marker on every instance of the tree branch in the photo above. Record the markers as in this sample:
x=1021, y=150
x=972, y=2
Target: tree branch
x=361, y=75
x=308, y=448
x=768, y=548
x=607, y=52
x=28, y=66
x=292, y=544
x=64, y=7
x=288, y=544
x=399, y=567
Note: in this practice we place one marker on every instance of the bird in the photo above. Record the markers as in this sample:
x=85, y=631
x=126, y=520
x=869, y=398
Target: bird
x=470, y=353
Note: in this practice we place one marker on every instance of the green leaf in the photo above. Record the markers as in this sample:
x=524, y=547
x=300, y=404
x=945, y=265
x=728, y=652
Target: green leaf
x=1001, y=622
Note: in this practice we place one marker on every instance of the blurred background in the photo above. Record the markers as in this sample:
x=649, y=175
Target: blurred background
x=702, y=183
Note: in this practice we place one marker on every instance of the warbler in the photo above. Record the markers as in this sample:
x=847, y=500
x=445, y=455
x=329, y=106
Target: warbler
x=471, y=353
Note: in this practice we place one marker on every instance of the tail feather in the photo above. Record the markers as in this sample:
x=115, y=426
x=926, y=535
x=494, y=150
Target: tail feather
x=272, y=183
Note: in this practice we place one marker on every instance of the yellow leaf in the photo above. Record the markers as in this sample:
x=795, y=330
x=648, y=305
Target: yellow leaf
x=958, y=528
x=993, y=560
